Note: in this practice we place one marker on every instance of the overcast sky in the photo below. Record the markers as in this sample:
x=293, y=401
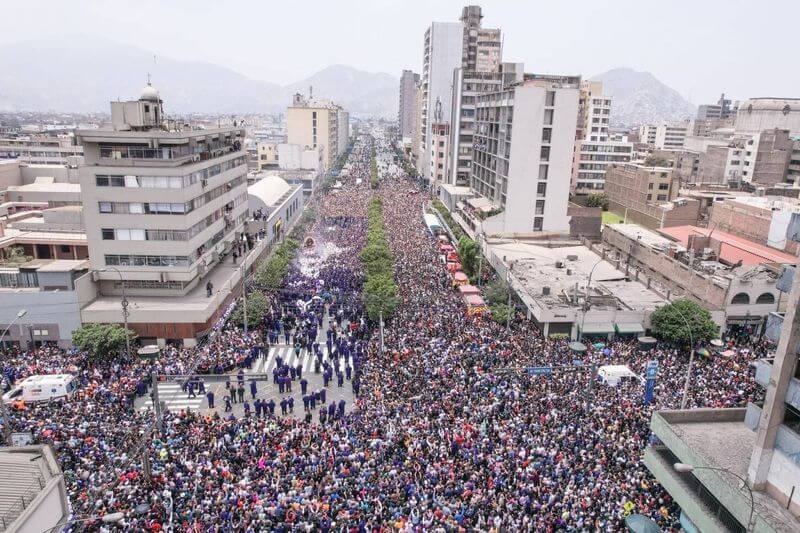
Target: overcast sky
x=698, y=47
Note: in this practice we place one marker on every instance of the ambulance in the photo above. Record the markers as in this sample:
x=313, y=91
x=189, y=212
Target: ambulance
x=42, y=388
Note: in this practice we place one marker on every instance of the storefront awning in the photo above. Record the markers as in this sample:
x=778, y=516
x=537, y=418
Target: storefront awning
x=599, y=328
x=629, y=328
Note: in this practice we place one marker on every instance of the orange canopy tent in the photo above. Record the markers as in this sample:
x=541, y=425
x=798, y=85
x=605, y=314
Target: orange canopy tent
x=460, y=278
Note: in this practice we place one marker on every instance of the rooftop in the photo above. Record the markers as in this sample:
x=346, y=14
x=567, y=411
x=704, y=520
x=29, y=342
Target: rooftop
x=732, y=248
x=25, y=473
x=47, y=186
x=566, y=269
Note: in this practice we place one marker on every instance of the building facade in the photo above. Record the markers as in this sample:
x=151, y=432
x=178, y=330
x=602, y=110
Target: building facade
x=524, y=142
x=318, y=124
x=406, y=104
x=42, y=149
x=442, y=55
x=161, y=206
x=670, y=136
x=479, y=72
x=592, y=159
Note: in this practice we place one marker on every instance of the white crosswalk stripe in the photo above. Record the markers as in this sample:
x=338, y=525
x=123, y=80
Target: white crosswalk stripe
x=174, y=398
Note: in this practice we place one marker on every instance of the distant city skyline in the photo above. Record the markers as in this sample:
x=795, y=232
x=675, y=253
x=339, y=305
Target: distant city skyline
x=696, y=47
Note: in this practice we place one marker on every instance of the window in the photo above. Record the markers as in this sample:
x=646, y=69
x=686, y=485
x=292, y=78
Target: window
x=541, y=189
x=543, y=172
x=544, y=153
x=663, y=186
x=539, y=207
x=105, y=207
x=661, y=198
x=65, y=248
x=537, y=223
x=650, y=185
x=548, y=117
x=108, y=234
x=550, y=98
x=40, y=333
x=547, y=134
x=766, y=298
x=649, y=197
x=741, y=298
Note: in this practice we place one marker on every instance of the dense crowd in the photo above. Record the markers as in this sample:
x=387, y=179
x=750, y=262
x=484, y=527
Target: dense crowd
x=446, y=433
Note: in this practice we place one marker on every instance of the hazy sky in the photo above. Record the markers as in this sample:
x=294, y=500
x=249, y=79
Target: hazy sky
x=699, y=47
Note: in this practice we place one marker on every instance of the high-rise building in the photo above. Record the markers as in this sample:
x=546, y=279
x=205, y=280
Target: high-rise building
x=318, y=124
x=163, y=204
x=526, y=176
x=720, y=110
x=406, y=104
x=479, y=72
x=592, y=159
x=442, y=55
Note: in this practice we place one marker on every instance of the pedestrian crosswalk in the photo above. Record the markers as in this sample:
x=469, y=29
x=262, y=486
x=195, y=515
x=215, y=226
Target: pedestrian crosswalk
x=174, y=398
x=265, y=365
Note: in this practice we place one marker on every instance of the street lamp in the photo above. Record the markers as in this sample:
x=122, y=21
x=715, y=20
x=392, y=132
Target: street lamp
x=586, y=298
x=125, y=312
x=686, y=468
x=685, y=396
x=21, y=313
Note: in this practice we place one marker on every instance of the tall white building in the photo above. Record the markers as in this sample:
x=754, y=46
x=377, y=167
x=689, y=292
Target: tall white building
x=442, y=55
x=161, y=205
x=479, y=72
x=592, y=158
x=524, y=143
x=598, y=114
x=665, y=135
x=406, y=104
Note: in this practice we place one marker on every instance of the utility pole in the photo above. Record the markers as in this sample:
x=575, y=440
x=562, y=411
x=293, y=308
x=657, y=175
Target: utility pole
x=480, y=259
x=508, y=308
x=381, y=319
x=244, y=298
x=157, y=404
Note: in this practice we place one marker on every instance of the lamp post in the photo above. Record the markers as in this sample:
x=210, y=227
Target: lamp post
x=586, y=298
x=685, y=396
x=685, y=468
x=125, y=311
x=21, y=313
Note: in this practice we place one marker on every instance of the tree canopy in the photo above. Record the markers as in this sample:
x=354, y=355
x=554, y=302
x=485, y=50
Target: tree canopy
x=597, y=199
x=379, y=292
x=468, y=255
x=257, y=306
x=271, y=273
x=101, y=341
x=683, y=321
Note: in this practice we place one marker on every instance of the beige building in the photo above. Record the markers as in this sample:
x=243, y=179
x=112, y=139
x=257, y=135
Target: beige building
x=648, y=196
x=318, y=124
x=164, y=205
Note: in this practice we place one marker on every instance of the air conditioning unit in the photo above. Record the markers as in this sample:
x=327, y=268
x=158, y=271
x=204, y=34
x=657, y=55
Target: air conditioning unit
x=545, y=291
x=559, y=264
x=164, y=276
x=569, y=272
x=95, y=276
x=572, y=257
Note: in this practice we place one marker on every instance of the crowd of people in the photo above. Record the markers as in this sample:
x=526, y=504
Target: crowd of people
x=444, y=435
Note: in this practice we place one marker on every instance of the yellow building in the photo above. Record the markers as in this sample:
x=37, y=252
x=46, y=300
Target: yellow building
x=318, y=124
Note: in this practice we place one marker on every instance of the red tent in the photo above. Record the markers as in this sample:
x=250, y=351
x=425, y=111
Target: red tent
x=469, y=289
x=452, y=256
x=453, y=267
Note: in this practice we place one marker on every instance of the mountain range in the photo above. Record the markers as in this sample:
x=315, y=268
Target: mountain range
x=82, y=75
x=640, y=98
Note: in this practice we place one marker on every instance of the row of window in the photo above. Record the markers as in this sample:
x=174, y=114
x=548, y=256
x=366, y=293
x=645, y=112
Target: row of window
x=150, y=260
x=165, y=208
x=167, y=182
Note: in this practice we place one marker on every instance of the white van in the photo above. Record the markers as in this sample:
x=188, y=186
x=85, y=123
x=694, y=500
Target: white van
x=614, y=374
x=42, y=388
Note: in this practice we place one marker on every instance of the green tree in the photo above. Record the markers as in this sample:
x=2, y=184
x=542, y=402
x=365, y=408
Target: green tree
x=656, y=161
x=501, y=313
x=674, y=322
x=468, y=255
x=496, y=292
x=271, y=273
x=597, y=199
x=100, y=341
x=379, y=294
x=257, y=306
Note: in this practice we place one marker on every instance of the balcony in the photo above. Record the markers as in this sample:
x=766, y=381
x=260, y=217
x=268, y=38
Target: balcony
x=173, y=155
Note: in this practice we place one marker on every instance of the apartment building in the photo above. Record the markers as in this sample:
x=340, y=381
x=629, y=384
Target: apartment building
x=524, y=143
x=441, y=56
x=670, y=136
x=163, y=206
x=647, y=134
x=648, y=196
x=592, y=159
x=479, y=72
x=318, y=124
x=440, y=140
x=596, y=116
x=406, y=104
x=42, y=149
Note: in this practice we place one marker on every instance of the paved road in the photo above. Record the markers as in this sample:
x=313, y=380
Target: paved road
x=175, y=399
